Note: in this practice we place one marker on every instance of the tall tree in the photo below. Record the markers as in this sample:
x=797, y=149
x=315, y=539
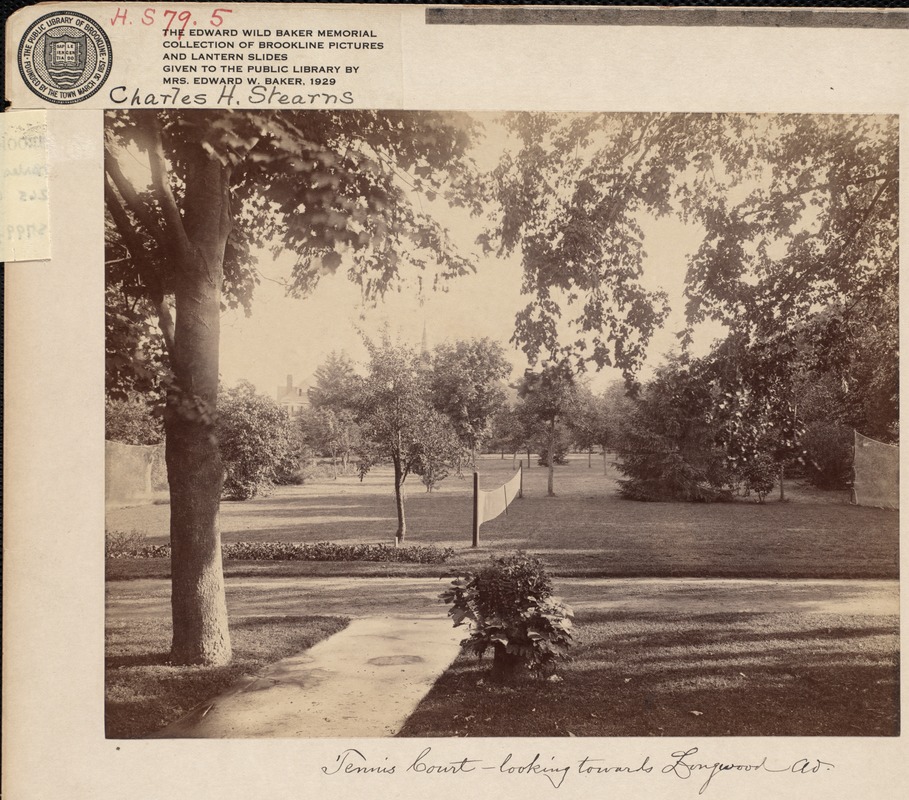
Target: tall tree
x=467, y=386
x=798, y=212
x=335, y=187
x=548, y=397
x=589, y=423
x=397, y=419
x=335, y=383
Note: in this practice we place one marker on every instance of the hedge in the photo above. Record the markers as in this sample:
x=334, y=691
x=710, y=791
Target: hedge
x=297, y=551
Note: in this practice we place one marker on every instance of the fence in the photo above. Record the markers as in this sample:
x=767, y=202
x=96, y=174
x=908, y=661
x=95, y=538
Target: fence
x=489, y=504
x=877, y=473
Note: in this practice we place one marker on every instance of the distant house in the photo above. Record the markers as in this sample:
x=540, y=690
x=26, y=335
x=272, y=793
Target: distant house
x=293, y=398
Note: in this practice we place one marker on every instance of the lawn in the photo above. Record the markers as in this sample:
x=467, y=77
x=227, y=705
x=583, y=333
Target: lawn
x=144, y=692
x=586, y=530
x=786, y=662
x=717, y=674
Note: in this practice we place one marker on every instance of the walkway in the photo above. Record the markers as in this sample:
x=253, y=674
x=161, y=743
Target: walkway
x=364, y=681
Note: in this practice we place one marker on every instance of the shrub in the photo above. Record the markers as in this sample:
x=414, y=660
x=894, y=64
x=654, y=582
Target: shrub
x=298, y=551
x=117, y=543
x=828, y=454
x=510, y=608
x=759, y=475
x=256, y=441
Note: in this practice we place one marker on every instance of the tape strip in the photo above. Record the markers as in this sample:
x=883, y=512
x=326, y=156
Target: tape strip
x=25, y=188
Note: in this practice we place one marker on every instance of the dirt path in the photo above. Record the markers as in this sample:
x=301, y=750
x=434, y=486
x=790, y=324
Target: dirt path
x=362, y=597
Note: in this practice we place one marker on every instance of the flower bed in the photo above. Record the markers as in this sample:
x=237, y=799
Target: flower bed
x=298, y=551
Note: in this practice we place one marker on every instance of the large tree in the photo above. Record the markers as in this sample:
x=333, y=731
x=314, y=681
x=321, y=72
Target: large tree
x=798, y=213
x=548, y=397
x=467, y=386
x=398, y=422
x=190, y=194
x=335, y=384
x=589, y=424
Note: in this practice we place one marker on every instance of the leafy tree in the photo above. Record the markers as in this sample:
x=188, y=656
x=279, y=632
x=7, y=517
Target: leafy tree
x=548, y=397
x=332, y=433
x=441, y=450
x=589, y=423
x=398, y=421
x=799, y=213
x=335, y=383
x=671, y=448
x=131, y=422
x=759, y=475
x=466, y=386
x=255, y=439
x=828, y=454
x=335, y=187
x=508, y=431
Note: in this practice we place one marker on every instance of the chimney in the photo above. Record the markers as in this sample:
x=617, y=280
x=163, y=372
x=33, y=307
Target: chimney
x=290, y=381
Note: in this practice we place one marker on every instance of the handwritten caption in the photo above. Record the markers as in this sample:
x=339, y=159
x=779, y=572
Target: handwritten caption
x=24, y=201
x=680, y=765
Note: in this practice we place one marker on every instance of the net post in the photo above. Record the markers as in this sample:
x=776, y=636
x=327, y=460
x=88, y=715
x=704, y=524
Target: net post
x=476, y=509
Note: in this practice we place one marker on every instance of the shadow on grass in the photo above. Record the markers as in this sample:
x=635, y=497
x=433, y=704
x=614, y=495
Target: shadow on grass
x=151, y=659
x=144, y=693
x=704, y=675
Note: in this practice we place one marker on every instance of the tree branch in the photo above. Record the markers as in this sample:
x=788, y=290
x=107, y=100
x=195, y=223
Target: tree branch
x=147, y=270
x=172, y=217
x=131, y=196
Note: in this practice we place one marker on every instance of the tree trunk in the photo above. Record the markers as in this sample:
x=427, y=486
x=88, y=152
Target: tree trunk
x=590, y=458
x=782, y=487
x=550, y=480
x=399, y=503
x=198, y=605
x=528, y=458
x=605, y=467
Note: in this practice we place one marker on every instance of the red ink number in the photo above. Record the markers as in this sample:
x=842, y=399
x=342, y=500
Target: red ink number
x=216, y=19
x=180, y=16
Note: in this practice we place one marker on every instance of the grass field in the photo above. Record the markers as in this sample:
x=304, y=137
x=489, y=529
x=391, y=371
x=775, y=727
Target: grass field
x=639, y=674
x=586, y=530
x=703, y=658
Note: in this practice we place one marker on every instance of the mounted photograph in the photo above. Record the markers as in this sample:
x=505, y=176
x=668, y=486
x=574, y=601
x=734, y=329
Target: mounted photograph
x=500, y=424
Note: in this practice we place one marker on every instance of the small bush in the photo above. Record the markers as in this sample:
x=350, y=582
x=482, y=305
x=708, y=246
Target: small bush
x=298, y=551
x=759, y=475
x=828, y=454
x=510, y=608
x=117, y=543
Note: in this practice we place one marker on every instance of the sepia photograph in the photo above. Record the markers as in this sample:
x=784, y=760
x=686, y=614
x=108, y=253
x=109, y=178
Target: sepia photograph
x=500, y=424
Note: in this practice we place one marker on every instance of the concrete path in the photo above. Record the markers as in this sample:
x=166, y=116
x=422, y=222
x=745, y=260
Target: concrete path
x=364, y=681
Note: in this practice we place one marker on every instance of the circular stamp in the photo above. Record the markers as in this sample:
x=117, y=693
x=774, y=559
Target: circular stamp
x=64, y=57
